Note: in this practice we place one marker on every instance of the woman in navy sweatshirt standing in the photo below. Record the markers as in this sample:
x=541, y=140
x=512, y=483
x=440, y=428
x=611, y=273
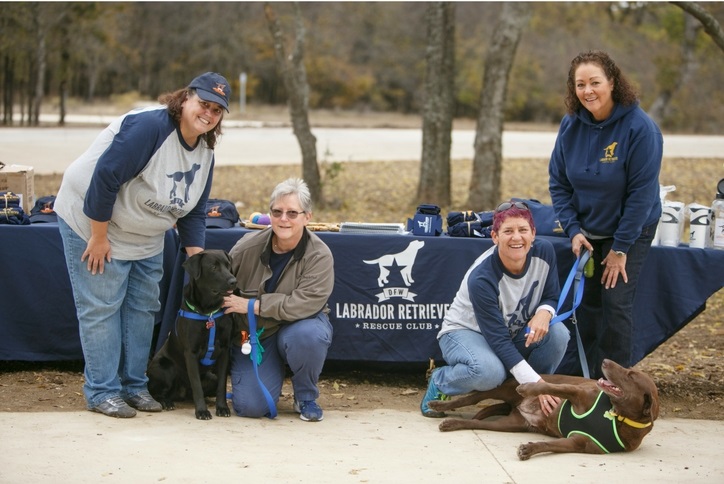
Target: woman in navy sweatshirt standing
x=604, y=184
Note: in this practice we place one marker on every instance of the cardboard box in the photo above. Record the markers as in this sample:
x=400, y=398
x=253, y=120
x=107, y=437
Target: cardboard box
x=19, y=179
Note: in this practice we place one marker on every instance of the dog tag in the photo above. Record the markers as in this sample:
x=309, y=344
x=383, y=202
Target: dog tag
x=209, y=324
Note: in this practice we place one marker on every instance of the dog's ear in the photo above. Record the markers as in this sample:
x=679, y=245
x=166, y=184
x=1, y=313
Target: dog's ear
x=651, y=407
x=193, y=265
x=228, y=257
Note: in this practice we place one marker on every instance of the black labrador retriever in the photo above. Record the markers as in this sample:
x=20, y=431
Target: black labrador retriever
x=195, y=357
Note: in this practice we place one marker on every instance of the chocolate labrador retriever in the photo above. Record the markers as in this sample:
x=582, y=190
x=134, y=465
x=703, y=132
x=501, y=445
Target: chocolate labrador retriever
x=194, y=360
x=612, y=414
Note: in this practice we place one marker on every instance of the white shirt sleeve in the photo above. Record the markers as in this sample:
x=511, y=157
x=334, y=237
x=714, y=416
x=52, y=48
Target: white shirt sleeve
x=547, y=307
x=524, y=373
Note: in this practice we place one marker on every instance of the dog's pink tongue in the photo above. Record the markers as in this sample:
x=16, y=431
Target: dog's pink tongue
x=603, y=384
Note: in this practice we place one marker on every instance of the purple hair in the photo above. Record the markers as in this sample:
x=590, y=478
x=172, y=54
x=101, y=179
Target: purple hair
x=502, y=216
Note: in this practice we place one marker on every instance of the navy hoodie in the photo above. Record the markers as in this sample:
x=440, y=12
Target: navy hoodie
x=604, y=176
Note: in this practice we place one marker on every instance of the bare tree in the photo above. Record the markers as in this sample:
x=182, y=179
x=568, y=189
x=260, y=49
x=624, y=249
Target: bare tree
x=41, y=32
x=680, y=74
x=711, y=25
x=488, y=159
x=434, y=184
x=292, y=71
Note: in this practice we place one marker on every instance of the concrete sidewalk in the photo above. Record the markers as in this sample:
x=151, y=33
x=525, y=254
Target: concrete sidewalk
x=380, y=446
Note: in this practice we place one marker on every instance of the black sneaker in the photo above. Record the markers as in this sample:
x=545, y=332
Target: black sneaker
x=144, y=402
x=114, y=407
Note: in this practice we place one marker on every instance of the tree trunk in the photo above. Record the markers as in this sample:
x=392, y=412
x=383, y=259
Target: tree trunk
x=487, y=161
x=64, y=71
x=295, y=80
x=8, y=88
x=660, y=107
x=434, y=184
x=40, y=65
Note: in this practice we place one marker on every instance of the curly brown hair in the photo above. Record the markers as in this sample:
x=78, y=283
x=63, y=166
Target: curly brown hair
x=623, y=92
x=174, y=103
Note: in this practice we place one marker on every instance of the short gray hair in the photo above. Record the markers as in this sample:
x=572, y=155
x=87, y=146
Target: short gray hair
x=293, y=186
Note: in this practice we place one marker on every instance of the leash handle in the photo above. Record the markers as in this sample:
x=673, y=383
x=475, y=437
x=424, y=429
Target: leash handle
x=575, y=276
x=254, y=339
x=576, y=279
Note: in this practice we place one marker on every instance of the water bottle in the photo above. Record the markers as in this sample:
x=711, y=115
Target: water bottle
x=717, y=208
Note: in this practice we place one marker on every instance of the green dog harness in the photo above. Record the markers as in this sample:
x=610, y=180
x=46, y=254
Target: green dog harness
x=598, y=424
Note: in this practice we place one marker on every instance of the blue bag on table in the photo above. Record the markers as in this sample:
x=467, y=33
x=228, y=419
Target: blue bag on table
x=427, y=221
x=544, y=216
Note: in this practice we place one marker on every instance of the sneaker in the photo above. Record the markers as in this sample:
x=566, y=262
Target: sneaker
x=114, y=407
x=308, y=410
x=144, y=402
x=431, y=394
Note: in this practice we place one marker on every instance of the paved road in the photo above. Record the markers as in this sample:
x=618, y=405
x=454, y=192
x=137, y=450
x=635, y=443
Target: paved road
x=51, y=150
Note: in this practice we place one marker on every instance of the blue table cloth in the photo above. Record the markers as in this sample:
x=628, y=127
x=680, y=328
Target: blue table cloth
x=390, y=292
x=396, y=318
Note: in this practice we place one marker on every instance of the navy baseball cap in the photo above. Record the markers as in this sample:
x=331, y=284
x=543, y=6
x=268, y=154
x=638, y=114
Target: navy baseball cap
x=221, y=214
x=213, y=87
x=43, y=210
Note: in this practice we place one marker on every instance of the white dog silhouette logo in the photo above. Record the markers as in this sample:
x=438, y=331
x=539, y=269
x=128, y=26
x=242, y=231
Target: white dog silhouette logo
x=405, y=260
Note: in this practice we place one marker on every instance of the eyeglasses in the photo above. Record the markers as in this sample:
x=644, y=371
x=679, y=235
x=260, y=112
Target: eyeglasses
x=291, y=214
x=508, y=205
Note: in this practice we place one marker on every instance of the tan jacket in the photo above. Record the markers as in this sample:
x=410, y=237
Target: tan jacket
x=302, y=290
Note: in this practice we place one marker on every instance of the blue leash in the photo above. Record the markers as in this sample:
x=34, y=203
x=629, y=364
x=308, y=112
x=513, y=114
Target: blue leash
x=211, y=325
x=254, y=340
x=575, y=278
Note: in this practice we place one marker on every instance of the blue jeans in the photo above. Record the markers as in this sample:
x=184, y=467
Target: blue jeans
x=605, y=316
x=472, y=364
x=116, y=314
x=302, y=345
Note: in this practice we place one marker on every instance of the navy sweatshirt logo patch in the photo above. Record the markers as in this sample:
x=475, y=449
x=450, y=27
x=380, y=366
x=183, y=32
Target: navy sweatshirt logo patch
x=609, y=153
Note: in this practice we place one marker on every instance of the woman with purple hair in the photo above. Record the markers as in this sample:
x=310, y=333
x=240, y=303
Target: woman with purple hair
x=499, y=322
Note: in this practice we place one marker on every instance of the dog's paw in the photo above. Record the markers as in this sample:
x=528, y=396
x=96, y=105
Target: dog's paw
x=223, y=412
x=526, y=389
x=450, y=424
x=525, y=451
x=167, y=405
x=203, y=414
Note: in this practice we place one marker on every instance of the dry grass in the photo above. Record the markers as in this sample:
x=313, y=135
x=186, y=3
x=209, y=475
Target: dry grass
x=385, y=191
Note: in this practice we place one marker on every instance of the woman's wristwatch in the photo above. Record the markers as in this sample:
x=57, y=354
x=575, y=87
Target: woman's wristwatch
x=619, y=253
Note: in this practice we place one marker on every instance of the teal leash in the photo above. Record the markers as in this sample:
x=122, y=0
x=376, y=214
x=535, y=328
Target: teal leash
x=254, y=340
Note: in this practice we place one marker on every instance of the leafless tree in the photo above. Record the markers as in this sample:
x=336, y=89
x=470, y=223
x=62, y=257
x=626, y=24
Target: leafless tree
x=434, y=184
x=710, y=23
x=40, y=23
x=683, y=72
x=488, y=159
x=292, y=70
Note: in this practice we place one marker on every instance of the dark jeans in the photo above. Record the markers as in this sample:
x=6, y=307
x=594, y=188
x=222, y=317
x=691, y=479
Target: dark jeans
x=605, y=316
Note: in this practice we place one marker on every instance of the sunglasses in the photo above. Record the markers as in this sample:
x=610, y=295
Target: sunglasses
x=291, y=214
x=508, y=205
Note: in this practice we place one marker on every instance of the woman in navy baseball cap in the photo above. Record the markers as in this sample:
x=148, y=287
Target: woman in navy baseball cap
x=148, y=171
